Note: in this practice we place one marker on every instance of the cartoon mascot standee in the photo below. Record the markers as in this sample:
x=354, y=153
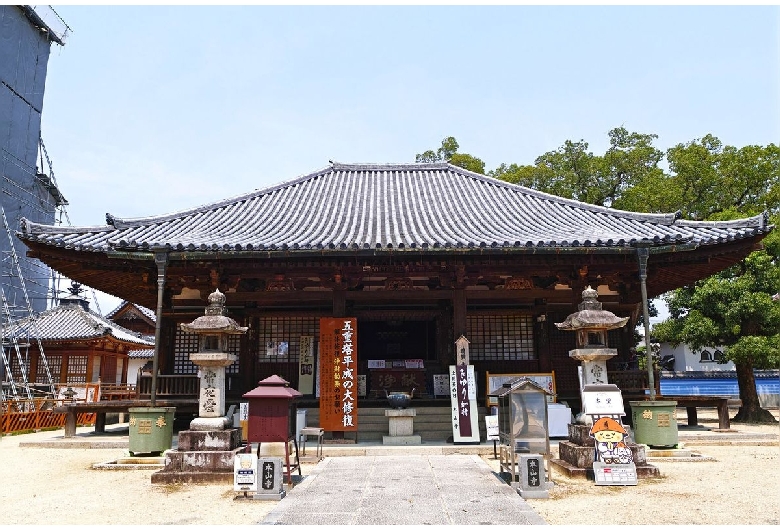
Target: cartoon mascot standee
x=610, y=442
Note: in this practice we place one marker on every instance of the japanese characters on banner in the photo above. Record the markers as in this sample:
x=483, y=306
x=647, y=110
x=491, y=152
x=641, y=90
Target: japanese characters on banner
x=306, y=365
x=338, y=374
x=463, y=396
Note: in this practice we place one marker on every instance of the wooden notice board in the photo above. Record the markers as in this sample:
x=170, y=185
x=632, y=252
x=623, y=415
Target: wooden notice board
x=495, y=381
x=338, y=374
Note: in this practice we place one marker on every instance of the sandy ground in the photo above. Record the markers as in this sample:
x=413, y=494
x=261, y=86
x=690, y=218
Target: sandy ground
x=43, y=486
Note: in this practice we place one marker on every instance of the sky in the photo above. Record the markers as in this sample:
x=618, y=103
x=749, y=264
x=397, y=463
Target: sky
x=150, y=110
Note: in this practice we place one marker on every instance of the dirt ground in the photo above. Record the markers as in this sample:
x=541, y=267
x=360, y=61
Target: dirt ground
x=43, y=486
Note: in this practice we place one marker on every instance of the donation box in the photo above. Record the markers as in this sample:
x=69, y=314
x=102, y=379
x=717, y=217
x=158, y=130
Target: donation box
x=272, y=412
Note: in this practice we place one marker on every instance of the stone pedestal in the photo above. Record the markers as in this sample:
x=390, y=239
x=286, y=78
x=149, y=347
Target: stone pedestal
x=201, y=457
x=401, y=427
x=576, y=456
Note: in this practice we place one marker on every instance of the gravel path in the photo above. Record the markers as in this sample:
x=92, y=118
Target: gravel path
x=44, y=486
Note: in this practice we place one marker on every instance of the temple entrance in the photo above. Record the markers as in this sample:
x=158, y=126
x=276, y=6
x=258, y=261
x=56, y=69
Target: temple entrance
x=395, y=354
x=397, y=340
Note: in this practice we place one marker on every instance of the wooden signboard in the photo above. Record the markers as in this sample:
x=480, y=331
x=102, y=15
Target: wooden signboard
x=494, y=382
x=338, y=374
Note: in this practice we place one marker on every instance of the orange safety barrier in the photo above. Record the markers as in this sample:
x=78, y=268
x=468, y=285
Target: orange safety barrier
x=35, y=415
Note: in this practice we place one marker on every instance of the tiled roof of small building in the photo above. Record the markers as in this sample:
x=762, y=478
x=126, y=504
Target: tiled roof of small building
x=383, y=207
x=72, y=322
x=148, y=313
x=140, y=354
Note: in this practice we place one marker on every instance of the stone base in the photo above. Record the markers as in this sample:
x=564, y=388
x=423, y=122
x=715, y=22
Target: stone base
x=571, y=471
x=414, y=439
x=583, y=456
x=221, y=440
x=201, y=457
x=210, y=424
x=197, y=467
x=534, y=494
x=269, y=496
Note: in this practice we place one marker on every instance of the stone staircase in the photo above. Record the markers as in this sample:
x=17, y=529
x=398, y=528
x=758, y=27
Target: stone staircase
x=432, y=423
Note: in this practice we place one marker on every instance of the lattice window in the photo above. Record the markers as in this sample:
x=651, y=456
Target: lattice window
x=16, y=367
x=501, y=337
x=77, y=369
x=280, y=337
x=186, y=343
x=234, y=347
x=55, y=369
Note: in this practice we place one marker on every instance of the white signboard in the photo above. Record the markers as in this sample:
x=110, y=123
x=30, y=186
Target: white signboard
x=491, y=426
x=245, y=472
x=362, y=385
x=441, y=385
x=306, y=365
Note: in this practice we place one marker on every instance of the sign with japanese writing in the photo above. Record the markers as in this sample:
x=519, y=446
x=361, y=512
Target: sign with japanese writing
x=463, y=397
x=491, y=427
x=441, y=385
x=532, y=472
x=245, y=472
x=306, y=365
x=338, y=374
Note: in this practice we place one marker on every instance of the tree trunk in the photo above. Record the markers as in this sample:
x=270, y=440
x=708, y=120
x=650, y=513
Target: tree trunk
x=750, y=411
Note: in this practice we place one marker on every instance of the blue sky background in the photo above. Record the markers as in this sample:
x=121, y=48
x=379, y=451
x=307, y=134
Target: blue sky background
x=150, y=110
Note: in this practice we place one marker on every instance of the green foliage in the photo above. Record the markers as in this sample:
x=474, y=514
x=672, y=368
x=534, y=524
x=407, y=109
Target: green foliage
x=732, y=309
x=572, y=171
x=448, y=152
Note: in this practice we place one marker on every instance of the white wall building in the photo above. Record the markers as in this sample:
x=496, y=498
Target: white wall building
x=686, y=360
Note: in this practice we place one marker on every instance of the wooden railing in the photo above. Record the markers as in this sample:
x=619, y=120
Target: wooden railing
x=19, y=416
x=110, y=392
x=633, y=383
x=169, y=387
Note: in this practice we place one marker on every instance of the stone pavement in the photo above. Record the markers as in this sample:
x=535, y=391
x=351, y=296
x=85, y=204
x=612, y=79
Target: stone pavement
x=405, y=490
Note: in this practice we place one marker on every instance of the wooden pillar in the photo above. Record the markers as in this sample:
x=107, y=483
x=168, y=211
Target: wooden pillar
x=459, y=312
x=339, y=303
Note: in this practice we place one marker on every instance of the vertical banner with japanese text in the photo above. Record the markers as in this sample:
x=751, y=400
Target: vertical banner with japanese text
x=463, y=396
x=306, y=365
x=338, y=374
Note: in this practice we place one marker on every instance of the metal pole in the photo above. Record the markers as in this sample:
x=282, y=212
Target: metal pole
x=643, y=253
x=161, y=259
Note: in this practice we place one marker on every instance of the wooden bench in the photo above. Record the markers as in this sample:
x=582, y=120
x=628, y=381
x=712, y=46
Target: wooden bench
x=633, y=385
x=101, y=408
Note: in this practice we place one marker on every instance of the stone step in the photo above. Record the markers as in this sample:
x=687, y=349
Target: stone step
x=430, y=423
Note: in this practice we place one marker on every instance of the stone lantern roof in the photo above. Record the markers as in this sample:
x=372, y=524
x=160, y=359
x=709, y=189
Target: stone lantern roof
x=215, y=320
x=591, y=315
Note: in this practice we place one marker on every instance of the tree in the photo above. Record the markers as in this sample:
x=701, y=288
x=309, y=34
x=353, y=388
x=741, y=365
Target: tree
x=448, y=152
x=706, y=181
x=573, y=172
x=733, y=309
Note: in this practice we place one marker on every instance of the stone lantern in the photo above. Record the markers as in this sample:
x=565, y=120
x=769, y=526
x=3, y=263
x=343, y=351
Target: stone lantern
x=591, y=323
x=212, y=357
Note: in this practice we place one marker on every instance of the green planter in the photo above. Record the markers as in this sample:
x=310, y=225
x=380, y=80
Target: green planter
x=655, y=423
x=151, y=429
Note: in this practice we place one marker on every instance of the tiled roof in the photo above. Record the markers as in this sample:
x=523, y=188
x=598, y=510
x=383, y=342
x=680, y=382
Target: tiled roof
x=391, y=207
x=148, y=313
x=140, y=354
x=71, y=322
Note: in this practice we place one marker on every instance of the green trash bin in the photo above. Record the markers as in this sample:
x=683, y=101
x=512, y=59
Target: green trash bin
x=655, y=423
x=151, y=429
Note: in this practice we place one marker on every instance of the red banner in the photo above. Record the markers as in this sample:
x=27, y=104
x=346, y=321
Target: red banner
x=338, y=374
